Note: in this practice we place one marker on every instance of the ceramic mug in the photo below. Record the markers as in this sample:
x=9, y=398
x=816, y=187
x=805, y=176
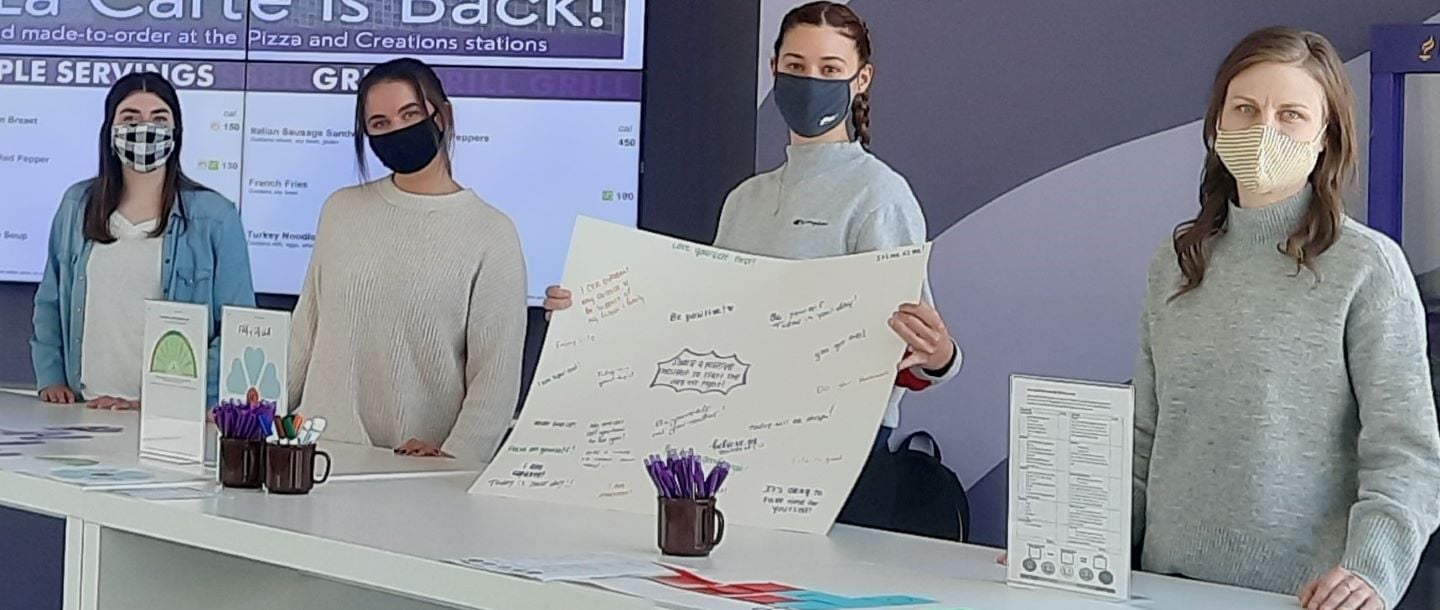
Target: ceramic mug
x=290, y=469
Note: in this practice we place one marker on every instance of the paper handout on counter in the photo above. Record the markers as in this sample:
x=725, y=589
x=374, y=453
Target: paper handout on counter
x=1071, y=461
x=574, y=568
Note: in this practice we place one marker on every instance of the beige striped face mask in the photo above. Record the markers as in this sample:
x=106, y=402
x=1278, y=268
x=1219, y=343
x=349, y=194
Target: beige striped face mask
x=1263, y=158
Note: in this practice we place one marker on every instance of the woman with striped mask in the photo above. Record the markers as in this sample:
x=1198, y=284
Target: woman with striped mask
x=1285, y=431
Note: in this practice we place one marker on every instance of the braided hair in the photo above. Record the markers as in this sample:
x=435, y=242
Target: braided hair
x=845, y=20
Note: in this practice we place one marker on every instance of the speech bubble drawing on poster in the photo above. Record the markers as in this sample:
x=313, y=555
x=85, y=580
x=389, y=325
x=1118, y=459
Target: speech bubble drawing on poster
x=707, y=373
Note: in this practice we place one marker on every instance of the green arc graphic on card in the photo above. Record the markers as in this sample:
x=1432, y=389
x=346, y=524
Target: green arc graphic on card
x=174, y=356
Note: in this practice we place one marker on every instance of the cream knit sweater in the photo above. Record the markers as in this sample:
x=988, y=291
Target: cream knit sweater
x=412, y=321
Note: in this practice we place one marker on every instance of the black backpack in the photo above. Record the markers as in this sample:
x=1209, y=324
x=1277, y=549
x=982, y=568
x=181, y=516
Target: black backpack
x=909, y=491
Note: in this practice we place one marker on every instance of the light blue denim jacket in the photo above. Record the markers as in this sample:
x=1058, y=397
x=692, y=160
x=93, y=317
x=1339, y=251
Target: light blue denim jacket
x=206, y=261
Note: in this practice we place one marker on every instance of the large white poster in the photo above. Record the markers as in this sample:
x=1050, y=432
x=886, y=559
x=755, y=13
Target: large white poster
x=781, y=368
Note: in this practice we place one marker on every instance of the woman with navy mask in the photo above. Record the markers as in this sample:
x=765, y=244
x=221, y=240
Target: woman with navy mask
x=140, y=230
x=832, y=197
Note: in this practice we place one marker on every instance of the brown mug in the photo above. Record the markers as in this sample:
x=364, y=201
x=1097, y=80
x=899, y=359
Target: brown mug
x=290, y=469
x=242, y=463
x=690, y=527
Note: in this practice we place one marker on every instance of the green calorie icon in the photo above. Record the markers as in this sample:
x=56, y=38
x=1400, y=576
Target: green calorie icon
x=607, y=195
x=213, y=166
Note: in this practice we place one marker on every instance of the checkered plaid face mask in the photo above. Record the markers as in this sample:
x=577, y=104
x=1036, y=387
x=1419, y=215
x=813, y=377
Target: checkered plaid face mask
x=143, y=146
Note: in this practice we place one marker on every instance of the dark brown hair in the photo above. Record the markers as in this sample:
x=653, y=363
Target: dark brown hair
x=1336, y=165
x=845, y=20
x=108, y=188
x=422, y=78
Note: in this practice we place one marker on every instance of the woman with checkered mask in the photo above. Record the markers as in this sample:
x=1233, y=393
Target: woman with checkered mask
x=139, y=230
x=410, y=329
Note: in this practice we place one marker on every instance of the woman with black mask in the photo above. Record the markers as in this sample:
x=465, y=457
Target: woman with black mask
x=409, y=330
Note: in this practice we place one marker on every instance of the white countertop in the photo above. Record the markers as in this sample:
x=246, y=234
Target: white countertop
x=394, y=533
x=409, y=526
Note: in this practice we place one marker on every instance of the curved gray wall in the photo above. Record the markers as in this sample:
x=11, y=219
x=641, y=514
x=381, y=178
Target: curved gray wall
x=1053, y=147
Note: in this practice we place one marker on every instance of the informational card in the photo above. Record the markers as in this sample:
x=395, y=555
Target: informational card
x=1071, y=460
x=253, y=354
x=172, y=394
x=781, y=368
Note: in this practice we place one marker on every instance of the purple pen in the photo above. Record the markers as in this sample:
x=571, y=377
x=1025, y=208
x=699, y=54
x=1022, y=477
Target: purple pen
x=666, y=481
x=697, y=480
x=697, y=477
x=672, y=470
x=657, y=473
x=650, y=470
x=682, y=482
x=678, y=483
x=724, y=468
x=681, y=478
x=687, y=479
x=710, y=480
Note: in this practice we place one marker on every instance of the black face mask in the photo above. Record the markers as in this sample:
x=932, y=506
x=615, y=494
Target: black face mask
x=409, y=149
x=812, y=106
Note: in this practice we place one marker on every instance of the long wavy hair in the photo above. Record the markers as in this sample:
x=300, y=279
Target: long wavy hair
x=108, y=189
x=1334, y=169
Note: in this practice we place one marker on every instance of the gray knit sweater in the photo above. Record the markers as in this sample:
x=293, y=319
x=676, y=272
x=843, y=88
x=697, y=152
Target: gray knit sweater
x=1284, y=421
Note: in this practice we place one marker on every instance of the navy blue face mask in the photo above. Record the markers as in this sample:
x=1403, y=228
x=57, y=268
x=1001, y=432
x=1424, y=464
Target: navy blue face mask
x=812, y=106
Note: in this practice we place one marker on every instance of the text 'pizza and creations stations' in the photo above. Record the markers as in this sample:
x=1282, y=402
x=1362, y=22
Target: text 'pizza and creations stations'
x=277, y=29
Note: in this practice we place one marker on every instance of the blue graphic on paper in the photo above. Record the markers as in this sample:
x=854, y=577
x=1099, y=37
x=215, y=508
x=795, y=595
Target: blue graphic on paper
x=100, y=475
x=253, y=376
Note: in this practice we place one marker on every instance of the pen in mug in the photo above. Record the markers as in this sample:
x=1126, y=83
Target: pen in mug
x=724, y=468
x=710, y=486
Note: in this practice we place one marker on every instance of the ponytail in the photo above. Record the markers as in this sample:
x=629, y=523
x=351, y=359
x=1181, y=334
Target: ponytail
x=860, y=117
